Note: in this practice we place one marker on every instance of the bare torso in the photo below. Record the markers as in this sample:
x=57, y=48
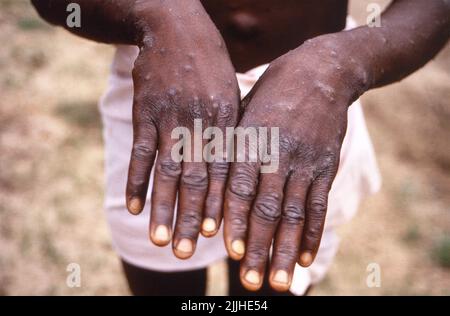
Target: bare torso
x=258, y=31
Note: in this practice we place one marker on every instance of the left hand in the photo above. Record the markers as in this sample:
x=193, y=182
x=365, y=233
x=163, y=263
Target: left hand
x=306, y=93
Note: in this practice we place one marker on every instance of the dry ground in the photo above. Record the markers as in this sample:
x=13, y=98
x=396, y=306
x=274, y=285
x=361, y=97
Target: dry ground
x=51, y=173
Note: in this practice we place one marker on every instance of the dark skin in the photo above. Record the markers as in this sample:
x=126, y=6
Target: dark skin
x=184, y=71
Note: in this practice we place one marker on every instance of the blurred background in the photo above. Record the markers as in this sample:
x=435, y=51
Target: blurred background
x=51, y=173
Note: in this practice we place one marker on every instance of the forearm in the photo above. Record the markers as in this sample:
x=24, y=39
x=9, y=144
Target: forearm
x=128, y=22
x=411, y=34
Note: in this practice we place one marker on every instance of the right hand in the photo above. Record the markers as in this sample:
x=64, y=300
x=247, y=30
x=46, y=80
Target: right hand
x=183, y=72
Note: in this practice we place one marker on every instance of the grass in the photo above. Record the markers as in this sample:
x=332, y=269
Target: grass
x=441, y=252
x=81, y=114
x=31, y=24
x=412, y=235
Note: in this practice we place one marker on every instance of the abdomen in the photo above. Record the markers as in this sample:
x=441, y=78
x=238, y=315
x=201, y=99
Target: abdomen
x=258, y=31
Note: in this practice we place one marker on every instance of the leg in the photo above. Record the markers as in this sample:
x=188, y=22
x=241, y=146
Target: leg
x=144, y=282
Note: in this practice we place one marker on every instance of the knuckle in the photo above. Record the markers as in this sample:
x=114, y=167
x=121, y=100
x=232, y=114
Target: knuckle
x=318, y=207
x=294, y=214
x=267, y=207
x=227, y=113
x=243, y=184
x=163, y=206
x=226, y=109
x=143, y=150
x=243, y=189
x=218, y=170
x=315, y=226
x=169, y=168
x=314, y=233
x=288, y=144
x=189, y=219
x=195, y=179
x=286, y=252
x=195, y=110
x=136, y=183
x=327, y=165
x=238, y=222
x=213, y=203
x=330, y=157
x=305, y=175
x=256, y=253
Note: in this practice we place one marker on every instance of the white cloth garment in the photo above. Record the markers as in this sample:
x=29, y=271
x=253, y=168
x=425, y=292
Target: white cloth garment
x=357, y=177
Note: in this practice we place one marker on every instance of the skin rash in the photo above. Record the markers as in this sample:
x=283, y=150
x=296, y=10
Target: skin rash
x=189, y=52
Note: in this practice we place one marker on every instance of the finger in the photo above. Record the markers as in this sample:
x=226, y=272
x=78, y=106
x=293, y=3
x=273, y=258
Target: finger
x=289, y=232
x=193, y=189
x=141, y=162
x=316, y=209
x=218, y=172
x=239, y=195
x=264, y=217
x=165, y=185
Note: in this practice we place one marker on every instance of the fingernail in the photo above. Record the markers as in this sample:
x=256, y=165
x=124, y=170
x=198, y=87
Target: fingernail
x=185, y=245
x=135, y=206
x=209, y=225
x=281, y=276
x=306, y=259
x=252, y=277
x=161, y=234
x=238, y=247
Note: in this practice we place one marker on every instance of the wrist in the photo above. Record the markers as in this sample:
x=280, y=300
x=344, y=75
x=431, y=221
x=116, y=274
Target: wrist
x=365, y=47
x=328, y=60
x=152, y=17
x=351, y=60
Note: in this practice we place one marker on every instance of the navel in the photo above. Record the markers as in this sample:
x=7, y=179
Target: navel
x=244, y=24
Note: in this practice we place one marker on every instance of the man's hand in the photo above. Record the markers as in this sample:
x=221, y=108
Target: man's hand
x=183, y=73
x=306, y=94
